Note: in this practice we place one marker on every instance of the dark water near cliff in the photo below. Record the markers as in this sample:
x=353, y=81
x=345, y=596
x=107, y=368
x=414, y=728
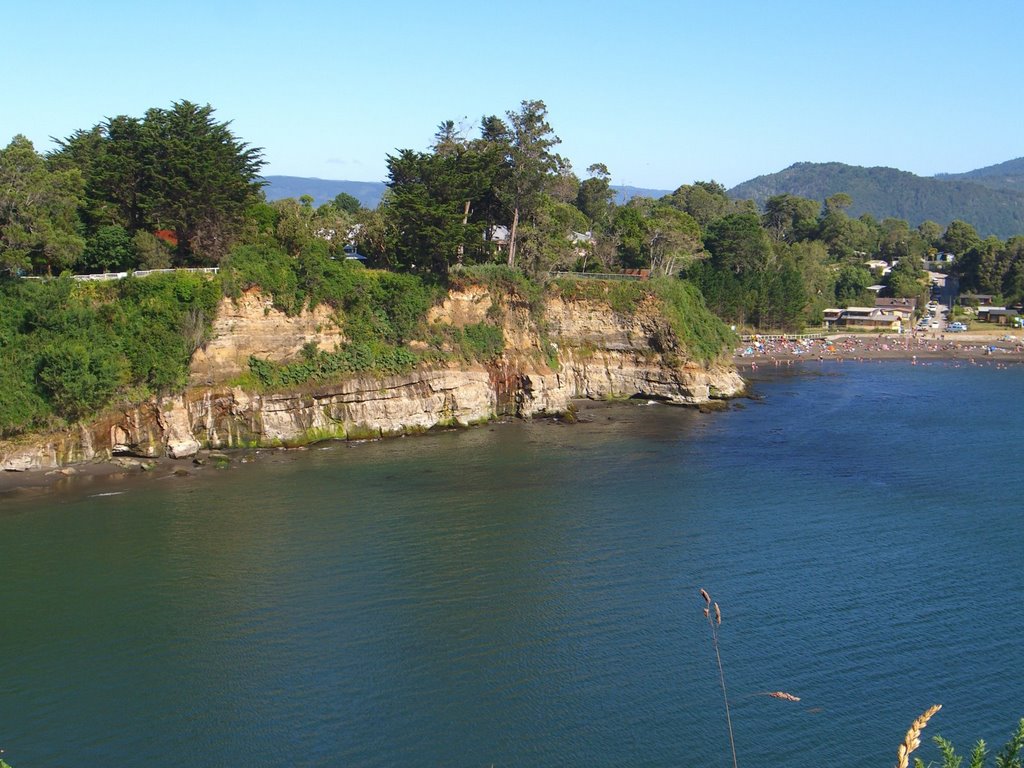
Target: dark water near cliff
x=527, y=594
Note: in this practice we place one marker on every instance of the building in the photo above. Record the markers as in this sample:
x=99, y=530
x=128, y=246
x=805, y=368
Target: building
x=997, y=315
x=905, y=308
x=864, y=318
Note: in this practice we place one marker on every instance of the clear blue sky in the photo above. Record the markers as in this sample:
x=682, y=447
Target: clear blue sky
x=663, y=93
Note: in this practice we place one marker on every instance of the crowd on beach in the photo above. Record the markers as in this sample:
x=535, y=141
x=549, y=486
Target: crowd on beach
x=786, y=350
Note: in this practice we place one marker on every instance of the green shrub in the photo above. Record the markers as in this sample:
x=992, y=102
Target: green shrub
x=80, y=377
x=356, y=357
x=22, y=405
x=702, y=334
x=483, y=341
x=110, y=249
x=502, y=280
x=68, y=348
x=265, y=267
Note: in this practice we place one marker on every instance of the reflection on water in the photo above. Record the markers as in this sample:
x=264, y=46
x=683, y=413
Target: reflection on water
x=527, y=593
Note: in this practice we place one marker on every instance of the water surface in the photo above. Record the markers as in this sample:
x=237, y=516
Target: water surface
x=527, y=593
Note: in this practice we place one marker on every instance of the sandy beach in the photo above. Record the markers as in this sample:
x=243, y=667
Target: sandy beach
x=984, y=348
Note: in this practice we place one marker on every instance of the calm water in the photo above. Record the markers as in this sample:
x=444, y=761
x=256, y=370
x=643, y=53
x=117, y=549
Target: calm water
x=527, y=594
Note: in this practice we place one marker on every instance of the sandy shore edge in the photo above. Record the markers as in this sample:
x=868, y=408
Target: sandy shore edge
x=966, y=348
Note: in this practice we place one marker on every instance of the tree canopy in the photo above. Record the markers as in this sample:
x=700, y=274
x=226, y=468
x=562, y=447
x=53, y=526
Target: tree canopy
x=38, y=211
x=175, y=169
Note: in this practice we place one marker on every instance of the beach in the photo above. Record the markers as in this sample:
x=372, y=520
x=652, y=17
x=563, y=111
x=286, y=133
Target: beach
x=969, y=348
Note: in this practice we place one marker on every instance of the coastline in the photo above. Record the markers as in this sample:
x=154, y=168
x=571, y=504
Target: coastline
x=963, y=348
x=104, y=476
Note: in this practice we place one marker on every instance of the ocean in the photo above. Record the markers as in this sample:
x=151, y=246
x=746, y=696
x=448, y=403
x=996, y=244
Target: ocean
x=528, y=593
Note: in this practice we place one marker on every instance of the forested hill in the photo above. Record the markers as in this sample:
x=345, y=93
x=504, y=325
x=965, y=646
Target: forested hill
x=1008, y=176
x=888, y=192
x=369, y=193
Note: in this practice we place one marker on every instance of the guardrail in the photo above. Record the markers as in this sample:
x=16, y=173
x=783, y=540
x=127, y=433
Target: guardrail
x=595, y=276
x=101, y=276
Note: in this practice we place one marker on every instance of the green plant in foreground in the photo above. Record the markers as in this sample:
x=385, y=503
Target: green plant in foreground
x=1010, y=756
x=715, y=621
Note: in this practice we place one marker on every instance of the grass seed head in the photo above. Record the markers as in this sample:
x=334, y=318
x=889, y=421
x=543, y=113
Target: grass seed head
x=913, y=738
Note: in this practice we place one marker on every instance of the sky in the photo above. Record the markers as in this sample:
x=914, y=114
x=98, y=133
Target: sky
x=662, y=93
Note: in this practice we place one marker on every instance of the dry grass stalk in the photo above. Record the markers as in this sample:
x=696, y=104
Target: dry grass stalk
x=913, y=738
x=715, y=623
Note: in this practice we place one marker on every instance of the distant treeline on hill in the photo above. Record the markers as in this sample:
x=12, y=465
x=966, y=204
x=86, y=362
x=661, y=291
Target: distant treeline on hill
x=1007, y=176
x=990, y=200
x=369, y=193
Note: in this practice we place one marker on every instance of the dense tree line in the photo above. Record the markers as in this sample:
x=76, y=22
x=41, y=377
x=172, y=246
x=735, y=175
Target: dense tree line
x=178, y=188
x=991, y=200
x=172, y=187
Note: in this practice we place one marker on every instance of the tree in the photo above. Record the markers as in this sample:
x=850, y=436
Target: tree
x=120, y=175
x=852, y=286
x=630, y=228
x=343, y=201
x=898, y=241
x=531, y=163
x=673, y=239
x=430, y=205
x=80, y=376
x=845, y=237
x=931, y=232
x=546, y=241
x=595, y=196
x=737, y=243
x=112, y=159
x=199, y=179
x=817, y=276
x=38, y=211
x=110, y=249
x=176, y=169
x=789, y=218
x=293, y=224
x=907, y=279
x=1013, y=277
x=959, y=238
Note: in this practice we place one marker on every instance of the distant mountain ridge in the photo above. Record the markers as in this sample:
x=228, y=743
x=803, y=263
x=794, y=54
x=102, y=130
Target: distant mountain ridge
x=369, y=193
x=1005, y=176
x=889, y=192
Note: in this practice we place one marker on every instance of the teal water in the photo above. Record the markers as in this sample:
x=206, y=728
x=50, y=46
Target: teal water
x=527, y=594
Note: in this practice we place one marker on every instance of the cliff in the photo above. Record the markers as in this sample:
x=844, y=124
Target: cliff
x=575, y=348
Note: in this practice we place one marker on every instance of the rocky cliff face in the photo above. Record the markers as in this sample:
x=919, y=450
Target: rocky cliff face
x=586, y=350
x=251, y=326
